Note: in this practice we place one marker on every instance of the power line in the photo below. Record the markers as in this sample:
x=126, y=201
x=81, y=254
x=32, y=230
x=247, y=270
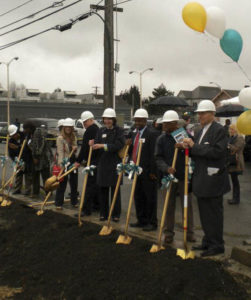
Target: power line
x=41, y=18
x=55, y=4
x=15, y=8
x=57, y=27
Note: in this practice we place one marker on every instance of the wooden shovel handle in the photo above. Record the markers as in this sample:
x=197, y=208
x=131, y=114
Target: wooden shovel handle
x=117, y=188
x=133, y=189
x=82, y=199
x=162, y=223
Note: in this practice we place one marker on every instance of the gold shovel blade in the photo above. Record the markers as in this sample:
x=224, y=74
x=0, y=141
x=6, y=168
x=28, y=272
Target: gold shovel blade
x=156, y=248
x=9, y=203
x=4, y=203
x=40, y=212
x=1, y=199
x=185, y=254
x=106, y=230
x=122, y=239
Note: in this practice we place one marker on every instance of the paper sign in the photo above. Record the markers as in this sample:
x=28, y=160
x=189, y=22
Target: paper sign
x=179, y=135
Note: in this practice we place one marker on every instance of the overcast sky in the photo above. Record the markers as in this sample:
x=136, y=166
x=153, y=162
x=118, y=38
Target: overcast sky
x=152, y=34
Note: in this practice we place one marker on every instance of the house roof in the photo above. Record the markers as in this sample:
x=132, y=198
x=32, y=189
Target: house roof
x=205, y=92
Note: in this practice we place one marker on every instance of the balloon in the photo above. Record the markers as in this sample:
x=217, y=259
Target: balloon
x=244, y=123
x=231, y=43
x=216, y=22
x=245, y=97
x=195, y=16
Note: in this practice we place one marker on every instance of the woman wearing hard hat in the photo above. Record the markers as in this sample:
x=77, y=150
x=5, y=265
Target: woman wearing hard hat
x=109, y=140
x=66, y=142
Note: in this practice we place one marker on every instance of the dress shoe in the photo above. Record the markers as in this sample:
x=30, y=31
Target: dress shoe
x=115, y=219
x=191, y=239
x=137, y=225
x=233, y=202
x=199, y=248
x=168, y=239
x=212, y=252
x=102, y=219
x=16, y=192
x=150, y=227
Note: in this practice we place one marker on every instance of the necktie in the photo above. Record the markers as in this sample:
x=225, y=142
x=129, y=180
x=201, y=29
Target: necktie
x=135, y=148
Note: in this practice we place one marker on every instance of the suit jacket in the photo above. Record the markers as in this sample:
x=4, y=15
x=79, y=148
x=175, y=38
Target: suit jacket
x=210, y=153
x=147, y=161
x=108, y=160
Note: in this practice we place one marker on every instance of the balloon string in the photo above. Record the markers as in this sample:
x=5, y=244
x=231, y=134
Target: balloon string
x=208, y=37
x=244, y=72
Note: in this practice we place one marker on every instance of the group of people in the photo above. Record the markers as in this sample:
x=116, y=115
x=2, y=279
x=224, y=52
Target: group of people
x=210, y=151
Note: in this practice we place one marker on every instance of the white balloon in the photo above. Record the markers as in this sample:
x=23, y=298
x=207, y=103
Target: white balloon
x=245, y=97
x=216, y=22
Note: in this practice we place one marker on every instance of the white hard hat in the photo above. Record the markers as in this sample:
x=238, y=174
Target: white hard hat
x=12, y=129
x=206, y=105
x=159, y=121
x=109, y=113
x=141, y=113
x=60, y=122
x=170, y=116
x=68, y=122
x=86, y=115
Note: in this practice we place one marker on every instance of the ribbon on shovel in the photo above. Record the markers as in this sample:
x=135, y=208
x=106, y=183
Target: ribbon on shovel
x=166, y=181
x=123, y=168
x=17, y=163
x=3, y=160
x=89, y=170
x=65, y=162
x=134, y=169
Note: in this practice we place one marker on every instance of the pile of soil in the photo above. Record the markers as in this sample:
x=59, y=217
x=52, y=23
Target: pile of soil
x=50, y=257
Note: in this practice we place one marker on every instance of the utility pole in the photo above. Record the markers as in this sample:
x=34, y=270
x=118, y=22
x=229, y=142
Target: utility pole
x=96, y=88
x=108, y=50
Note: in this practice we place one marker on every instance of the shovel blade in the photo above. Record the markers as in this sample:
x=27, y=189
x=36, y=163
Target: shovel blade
x=185, y=254
x=40, y=212
x=4, y=203
x=9, y=203
x=1, y=199
x=156, y=248
x=106, y=230
x=122, y=239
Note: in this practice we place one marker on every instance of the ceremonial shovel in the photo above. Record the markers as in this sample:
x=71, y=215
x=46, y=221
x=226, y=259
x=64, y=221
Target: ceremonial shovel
x=185, y=253
x=10, y=181
x=158, y=247
x=107, y=229
x=126, y=239
x=41, y=211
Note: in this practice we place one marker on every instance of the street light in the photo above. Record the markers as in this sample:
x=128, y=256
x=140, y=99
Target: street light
x=140, y=81
x=8, y=113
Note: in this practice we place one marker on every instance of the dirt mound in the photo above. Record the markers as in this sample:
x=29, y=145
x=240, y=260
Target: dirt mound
x=50, y=257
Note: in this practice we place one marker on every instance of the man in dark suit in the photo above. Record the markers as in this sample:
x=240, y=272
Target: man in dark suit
x=146, y=188
x=91, y=198
x=210, y=177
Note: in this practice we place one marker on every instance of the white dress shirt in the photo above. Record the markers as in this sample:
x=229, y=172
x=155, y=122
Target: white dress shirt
x=205, y=129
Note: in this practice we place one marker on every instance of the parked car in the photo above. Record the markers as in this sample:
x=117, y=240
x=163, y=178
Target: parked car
x=3, y=133
x=3, y=124
x=80, y=129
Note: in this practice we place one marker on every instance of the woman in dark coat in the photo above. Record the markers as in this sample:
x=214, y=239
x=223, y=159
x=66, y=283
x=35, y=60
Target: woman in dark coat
x=109, y=140
x=236, y=161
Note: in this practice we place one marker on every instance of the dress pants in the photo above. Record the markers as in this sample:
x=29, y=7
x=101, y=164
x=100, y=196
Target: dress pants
x=145, y=198
x=178, y=188
x=236, y=186
x=104, y=202
x=45, y=173
x=73, y=178
x=211, y=218
x=19, y=182
x=91, y=194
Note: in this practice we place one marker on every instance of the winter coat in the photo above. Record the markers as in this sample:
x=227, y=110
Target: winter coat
x=64, y=149
x=108, y=160
x=236, y=147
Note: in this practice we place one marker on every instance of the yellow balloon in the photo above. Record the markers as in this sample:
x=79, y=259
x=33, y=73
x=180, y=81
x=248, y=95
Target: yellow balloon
x=244, y=123
x=195, y=16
